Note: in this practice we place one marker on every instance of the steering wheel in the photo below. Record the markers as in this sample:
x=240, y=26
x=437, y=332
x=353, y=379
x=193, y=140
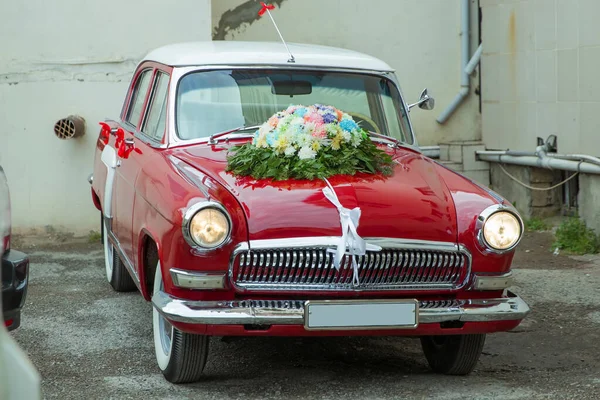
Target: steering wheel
x=366, y=119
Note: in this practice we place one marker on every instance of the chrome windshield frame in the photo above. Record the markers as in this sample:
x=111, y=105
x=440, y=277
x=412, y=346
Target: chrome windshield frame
x=172, y=140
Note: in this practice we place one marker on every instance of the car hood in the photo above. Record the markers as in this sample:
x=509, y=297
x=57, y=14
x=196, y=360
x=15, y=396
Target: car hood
x=413, y=203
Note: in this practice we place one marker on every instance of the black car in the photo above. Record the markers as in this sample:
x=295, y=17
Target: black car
x=15, y=265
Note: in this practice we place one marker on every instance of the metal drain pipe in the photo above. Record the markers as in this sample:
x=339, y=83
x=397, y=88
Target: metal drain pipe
x=575, y=157
x=465, y=62
x=541, y=160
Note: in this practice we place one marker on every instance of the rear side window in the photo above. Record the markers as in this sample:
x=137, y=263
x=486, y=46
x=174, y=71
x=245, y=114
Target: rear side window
x=136, y=104
x=157, y=114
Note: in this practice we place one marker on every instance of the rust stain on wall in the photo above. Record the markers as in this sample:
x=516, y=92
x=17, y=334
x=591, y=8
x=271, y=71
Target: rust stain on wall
x=245, y=13
x=512, y=47
x=512, y=32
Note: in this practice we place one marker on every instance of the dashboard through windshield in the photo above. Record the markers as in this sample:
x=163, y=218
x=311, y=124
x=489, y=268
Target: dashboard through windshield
x=209, y=102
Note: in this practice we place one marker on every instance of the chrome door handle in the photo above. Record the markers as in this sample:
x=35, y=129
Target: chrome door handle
x=129, y=141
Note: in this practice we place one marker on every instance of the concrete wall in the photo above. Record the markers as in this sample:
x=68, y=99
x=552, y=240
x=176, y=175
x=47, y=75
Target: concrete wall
x=540, y=73
x=530, y=203
x=540, y=77
x=420, y=39
x=589, y=201
x=72, y=57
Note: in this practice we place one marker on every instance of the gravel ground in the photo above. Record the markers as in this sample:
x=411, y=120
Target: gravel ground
x=90, y=342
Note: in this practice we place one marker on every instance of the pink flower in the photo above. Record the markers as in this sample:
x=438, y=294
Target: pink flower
x=291, y=109
x=320, y=132
x=273, y=121
x=314, y=118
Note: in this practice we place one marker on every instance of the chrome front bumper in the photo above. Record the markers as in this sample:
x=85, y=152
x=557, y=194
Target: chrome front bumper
x=282, y=312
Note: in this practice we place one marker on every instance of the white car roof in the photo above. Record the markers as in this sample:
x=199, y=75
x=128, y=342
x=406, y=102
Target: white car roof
x=262, y=53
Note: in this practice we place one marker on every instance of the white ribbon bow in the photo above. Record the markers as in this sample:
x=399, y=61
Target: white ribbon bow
x=349, y=240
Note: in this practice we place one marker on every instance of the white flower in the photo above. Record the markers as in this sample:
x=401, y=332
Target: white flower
x=290, y=151
x=306, y=153
x=309, y=128
x=346, y=116
x=347, y=136
x=264, y=129
x=303, y=140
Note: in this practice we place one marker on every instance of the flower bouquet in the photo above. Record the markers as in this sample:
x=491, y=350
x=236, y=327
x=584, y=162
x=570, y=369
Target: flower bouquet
x=313, y=142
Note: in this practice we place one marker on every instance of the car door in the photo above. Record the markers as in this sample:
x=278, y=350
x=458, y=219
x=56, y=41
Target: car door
x=129, y=164
x=150, y=140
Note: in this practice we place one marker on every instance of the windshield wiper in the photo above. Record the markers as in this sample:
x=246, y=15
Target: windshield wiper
x=392, y=141
x=214, y=136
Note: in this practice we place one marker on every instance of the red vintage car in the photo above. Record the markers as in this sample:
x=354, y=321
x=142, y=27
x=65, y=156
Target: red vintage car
x=220, y=254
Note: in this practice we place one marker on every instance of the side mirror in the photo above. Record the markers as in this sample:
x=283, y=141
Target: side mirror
x=425, y=101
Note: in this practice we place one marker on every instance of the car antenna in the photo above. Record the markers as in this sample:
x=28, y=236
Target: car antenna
x=266, y=8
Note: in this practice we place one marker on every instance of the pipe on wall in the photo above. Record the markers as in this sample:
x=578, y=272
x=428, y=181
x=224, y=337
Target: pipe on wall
x=474, y=61
x=465, y=80
x=577, y=157
x=541, y=161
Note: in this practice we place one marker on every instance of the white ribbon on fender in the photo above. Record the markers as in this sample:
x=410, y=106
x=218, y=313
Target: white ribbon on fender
x=349, y=243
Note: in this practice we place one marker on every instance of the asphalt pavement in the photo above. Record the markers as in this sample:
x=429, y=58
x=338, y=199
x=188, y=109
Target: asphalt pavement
x=89, y=342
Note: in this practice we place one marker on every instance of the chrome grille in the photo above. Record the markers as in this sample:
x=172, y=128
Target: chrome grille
x=299, y=304
x=312, y=269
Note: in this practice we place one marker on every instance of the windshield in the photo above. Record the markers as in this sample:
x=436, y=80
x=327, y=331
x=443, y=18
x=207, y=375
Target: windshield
x=216, y=101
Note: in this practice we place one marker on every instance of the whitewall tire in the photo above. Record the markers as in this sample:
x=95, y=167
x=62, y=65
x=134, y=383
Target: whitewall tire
x=108, y=253
x=181, y=356
x=116, y=273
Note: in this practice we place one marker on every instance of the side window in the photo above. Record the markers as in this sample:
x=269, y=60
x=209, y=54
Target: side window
x=157, y=115
x=136, y=104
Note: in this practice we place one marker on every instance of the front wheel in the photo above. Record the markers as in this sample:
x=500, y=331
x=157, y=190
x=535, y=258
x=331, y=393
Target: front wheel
x=453, y=354
x=181, y=356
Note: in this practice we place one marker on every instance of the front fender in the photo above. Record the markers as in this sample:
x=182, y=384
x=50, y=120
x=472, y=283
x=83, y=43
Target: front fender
x=470, y=200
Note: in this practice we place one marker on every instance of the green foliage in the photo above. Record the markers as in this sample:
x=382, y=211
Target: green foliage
x=261, y=163
x=536, y=224
x=574, y=237
x=94, y=237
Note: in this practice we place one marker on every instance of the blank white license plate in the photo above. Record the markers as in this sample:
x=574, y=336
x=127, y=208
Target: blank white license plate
x=360, y=314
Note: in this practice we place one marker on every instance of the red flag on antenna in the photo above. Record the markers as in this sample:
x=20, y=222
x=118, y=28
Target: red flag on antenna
x=264, y=8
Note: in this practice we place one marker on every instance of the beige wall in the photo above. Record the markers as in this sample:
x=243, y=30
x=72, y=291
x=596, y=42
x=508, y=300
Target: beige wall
x=420, y=39
x=540, y=73
x=72, y=57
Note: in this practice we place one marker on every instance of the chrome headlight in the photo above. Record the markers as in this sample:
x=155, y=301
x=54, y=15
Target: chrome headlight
x=206, y=225
x=500, y=229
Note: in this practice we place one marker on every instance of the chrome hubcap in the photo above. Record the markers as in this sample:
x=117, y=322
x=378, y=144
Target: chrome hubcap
x=166, y=334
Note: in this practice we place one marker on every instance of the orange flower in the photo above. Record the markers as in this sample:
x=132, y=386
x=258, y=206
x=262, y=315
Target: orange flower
x=273, y=121
x=339, y=115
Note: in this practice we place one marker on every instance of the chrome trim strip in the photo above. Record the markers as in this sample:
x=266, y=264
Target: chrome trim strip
x=332, y=241
x=124, y=259
x=493, y=282
x=197, y=280
x=187, y=218
x=291, y=312
x=323, y=242
x=190, y=174
x=482, y=219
